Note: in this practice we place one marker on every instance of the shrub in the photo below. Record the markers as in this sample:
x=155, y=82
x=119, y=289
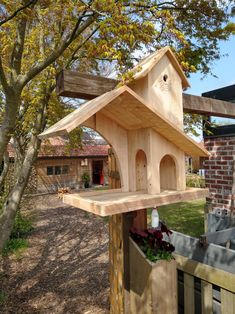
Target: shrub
x=195, y=181
x=152, y=243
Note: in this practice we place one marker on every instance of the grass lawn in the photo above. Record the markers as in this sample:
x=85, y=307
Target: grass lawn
x=185, y=217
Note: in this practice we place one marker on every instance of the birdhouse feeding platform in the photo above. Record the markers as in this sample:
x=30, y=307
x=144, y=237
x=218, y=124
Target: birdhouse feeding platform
x=143, y=122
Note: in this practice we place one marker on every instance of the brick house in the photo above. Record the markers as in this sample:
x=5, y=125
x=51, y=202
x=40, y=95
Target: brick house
x=58, y=165
x=219, y=167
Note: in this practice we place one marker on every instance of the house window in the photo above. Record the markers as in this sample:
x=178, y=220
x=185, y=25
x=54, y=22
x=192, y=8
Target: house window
x=50, y=171
x=65, y=169
x=58, y=170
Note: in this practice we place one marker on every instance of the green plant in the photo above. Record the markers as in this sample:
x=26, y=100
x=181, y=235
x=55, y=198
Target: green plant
x=14, y=246
x=22, y=226
x=152, y=243
x=195, y=180
x=2, y=297
x=85, y=177
x=17, y=242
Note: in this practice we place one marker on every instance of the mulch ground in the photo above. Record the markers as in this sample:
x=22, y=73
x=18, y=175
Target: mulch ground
x=65, y=268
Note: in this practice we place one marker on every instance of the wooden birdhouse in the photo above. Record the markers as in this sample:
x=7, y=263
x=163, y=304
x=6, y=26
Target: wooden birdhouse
x=143, y=122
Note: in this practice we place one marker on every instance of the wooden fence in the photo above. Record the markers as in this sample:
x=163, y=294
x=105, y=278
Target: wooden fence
x=206, y=277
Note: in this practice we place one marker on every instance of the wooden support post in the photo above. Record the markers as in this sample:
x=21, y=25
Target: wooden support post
x=140, y=220
x=119, y=226
x=207, y=297
x=189, y=300
x=207, y=210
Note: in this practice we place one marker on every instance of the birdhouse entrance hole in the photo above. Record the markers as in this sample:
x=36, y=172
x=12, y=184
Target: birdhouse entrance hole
x=167, y=173
x=141, y=171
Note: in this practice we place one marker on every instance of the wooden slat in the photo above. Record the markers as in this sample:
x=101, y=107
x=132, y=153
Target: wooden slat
x=153, y=286
x=207, y=273
x=111, y=202
x=189, y=300
x=81, y=85
x=208, y=106
x=227, y=302
x=207, y=297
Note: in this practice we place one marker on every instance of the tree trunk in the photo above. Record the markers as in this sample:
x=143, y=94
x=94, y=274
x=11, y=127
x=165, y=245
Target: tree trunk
x=8, y=122
x=12, y=202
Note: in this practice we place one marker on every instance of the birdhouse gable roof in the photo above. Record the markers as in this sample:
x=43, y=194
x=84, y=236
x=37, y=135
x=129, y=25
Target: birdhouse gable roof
x=130, y=111
x=147, y=64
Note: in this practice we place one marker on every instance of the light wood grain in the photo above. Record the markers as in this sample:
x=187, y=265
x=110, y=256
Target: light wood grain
x=153, y=286
x=227, y=302
x=147, y=64
x=189, y=300
x=141, y=171
x=167, y=173
x=144, y=117
x=207, y=273
x=207, y=297
x=111, y=202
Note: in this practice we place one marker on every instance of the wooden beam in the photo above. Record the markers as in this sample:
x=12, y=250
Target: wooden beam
x=207, y=273
x=208, y=106
x=87, y=86
x=80, y=85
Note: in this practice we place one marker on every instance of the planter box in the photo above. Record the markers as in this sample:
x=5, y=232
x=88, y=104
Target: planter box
x=153, y=286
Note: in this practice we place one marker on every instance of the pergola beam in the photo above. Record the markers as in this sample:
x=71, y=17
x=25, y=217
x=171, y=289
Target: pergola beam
x=208, y=106
x=87, y=86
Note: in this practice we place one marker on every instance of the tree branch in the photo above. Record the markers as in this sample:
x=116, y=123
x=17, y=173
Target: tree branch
x=5, y=169
x=57, y=52
x=3, y=79
x=80, y=46
x=16, y=56
x=17, y=11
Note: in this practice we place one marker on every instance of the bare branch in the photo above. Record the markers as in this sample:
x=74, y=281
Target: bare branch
x=17, y=11
x=80, y=46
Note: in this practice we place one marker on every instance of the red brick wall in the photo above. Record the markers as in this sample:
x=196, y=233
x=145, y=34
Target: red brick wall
x=219, y=170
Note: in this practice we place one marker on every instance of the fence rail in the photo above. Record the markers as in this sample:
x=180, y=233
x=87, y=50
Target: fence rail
x=204, y=288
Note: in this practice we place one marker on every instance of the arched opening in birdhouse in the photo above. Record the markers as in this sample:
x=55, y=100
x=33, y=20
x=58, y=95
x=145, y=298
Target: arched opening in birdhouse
x=141, y=170
x=167, y=173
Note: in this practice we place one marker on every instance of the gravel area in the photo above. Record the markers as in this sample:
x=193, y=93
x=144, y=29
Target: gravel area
x=65, y=268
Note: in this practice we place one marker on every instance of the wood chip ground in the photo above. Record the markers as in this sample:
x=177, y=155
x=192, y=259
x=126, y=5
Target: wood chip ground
x=65, y=268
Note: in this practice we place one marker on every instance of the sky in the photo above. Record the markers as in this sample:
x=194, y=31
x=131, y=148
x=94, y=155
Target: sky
x=224, y=69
